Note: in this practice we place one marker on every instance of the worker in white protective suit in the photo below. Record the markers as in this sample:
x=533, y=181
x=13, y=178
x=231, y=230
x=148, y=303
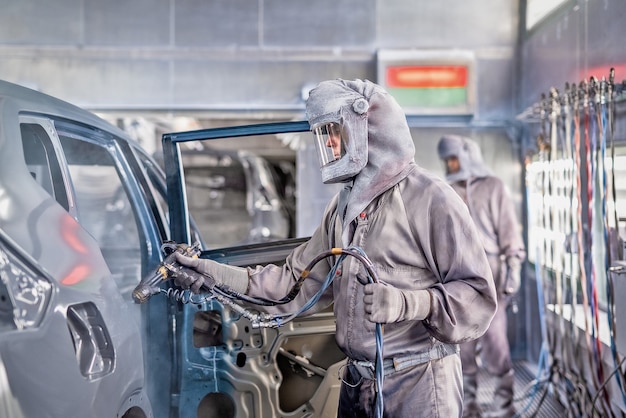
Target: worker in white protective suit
x=435, y=287
x=494, y=214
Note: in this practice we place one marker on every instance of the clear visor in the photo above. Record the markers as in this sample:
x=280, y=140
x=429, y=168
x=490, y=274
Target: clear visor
x=330, y=143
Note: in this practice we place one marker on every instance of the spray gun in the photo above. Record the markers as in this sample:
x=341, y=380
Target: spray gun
x=150, y=285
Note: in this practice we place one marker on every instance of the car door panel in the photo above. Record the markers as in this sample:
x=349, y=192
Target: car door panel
x=227, y=367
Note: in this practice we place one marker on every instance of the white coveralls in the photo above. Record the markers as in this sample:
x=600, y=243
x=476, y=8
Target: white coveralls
x=420, y=238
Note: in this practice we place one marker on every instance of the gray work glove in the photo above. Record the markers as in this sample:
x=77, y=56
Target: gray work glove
x=235, y=278
x=513, y=275
x=386, y=304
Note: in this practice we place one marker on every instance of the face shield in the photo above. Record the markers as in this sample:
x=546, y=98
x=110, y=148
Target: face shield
x=338, y=120
x=330, y=142
x=341, y=147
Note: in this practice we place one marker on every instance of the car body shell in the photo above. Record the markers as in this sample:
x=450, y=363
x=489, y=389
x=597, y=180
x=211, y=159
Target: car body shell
x=84, y=355
x=84, y=212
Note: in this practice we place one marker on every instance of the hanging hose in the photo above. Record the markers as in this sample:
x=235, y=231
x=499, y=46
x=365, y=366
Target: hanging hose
x=542, y=365
x=595, y=218
x=605, y=121
x=578, y=177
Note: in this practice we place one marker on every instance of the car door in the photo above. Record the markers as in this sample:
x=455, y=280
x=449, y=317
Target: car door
x=225, y=366
x=85, y=234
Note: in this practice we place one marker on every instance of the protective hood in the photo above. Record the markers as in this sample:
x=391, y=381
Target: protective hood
x=455, y=146
x=383, y=149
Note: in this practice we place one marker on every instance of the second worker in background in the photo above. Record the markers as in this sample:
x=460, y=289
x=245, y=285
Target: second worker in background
x=494, y=215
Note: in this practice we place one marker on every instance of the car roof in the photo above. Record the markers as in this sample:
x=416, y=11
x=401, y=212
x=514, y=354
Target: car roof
x=38, y=102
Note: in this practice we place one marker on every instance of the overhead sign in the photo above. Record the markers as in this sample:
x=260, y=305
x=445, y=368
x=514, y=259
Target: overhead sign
x=429, y=82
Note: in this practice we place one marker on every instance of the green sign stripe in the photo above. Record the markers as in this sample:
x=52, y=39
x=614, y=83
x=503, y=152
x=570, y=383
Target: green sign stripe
x=430, y=97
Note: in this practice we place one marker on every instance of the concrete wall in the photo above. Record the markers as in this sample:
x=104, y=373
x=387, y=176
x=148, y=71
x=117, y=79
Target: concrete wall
x=240, y=55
